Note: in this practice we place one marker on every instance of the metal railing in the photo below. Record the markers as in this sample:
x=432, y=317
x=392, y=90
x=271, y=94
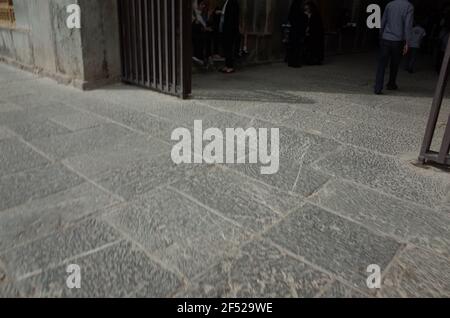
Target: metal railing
x=156, y=44
x=427, y=154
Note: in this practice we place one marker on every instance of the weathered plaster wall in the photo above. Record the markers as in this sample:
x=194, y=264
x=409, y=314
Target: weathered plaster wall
x=41, y=41
x=100, y=41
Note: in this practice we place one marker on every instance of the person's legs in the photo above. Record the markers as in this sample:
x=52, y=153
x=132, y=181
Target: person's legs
x=229, y=49
x=383, y=60
x=396, y=58
x=412, y=59
x=197, y=43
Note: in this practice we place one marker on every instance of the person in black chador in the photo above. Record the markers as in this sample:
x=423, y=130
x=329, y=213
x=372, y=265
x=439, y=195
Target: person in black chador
x=315, y=36
x=297, y=20
x=229, y=27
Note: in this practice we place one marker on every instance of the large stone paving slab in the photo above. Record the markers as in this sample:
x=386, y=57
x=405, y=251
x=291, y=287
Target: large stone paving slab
x=291, y=177
x=417, y=273
x=333, y=243
x=5, y=133
x=249, y=203
x=57, y=248
x=36, y=183
x=181, y=233
x=297, y=146
x=78, y=121
x=35, y=129
x=388, y=174
x=132, y=148
x=139, y=177
x=377, y=137
x=340, y=290
x=16, y=156
x=53, y=213
x=382, y=115
x=136, y=119
x=387, y=214
x=258, y=270
x=81, y=142
x=117, y=271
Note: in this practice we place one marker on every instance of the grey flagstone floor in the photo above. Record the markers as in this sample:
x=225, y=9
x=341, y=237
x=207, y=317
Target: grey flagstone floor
x=86, y=178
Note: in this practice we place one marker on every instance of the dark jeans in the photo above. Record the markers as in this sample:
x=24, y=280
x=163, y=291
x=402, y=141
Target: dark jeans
x=230, y=45
x=412, y=59
x=390, y=51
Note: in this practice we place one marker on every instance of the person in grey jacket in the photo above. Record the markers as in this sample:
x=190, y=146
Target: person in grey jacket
x=396, y=33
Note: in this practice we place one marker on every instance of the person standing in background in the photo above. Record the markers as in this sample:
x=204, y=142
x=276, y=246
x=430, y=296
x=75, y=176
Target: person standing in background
x=229, y=28
x=297, y=33
x=315, y=35
x=418, y=34
x=396, y=32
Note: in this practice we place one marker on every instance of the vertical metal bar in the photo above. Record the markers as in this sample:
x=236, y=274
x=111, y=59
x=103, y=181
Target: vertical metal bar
x=436, y=107
x=141, y=43
x=445, y=148
x=129, y=42
x=166, y=45
x=186, y=48
x=134, y=39
x=147, y=41
x=137, y=30
x=153, y=43
x=160, y=68
x=174, y=48
x=121, y=34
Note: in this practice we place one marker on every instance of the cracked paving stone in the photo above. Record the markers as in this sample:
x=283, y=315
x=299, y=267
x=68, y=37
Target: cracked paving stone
x=16, y=156
x=291, y=177
x=259, y=270
x=417, y=273
x=333, y=243
x=178, y=231
x=117, y=271
x=385, y=214
x=386, y=174
x=41, y=217
x=29, y=185
x=297, y=146
x=58, y=247
x=249, y=203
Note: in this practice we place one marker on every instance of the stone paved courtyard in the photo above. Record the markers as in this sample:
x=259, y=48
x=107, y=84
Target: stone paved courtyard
x=86, y=178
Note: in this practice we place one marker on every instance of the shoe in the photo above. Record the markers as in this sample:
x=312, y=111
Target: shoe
x=378, y=93
x=198, y=61
x=392, y=87
x=227, y=70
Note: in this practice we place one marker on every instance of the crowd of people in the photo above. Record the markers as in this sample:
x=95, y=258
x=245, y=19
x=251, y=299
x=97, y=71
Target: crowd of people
x=219, y=31
x=216, y=31
x=219, y=35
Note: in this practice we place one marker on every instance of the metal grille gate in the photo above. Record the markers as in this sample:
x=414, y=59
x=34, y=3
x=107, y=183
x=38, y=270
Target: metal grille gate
x=156, y=44
x=426, y=154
